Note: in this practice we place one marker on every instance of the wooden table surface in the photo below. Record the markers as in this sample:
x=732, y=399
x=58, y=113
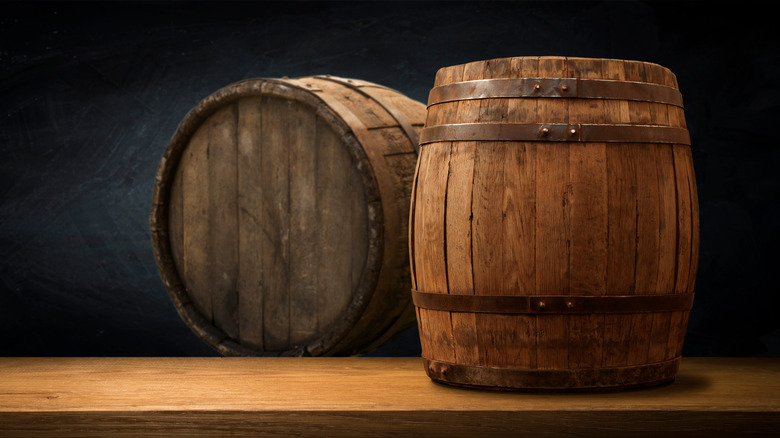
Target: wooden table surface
x=364, y=397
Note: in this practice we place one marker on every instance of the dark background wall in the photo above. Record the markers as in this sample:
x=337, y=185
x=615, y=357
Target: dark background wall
x=90, y=94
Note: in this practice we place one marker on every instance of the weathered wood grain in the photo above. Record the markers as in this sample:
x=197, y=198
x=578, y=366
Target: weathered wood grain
x=195, y=224
x=588, y=253
x=612, y=217
x=431, y=209
x=303, y=222
x=286, y=222
x=275, y=220
x=223, y=219
x=459, y=247
x=333, y=243
x=250, y=236
x=176, y=222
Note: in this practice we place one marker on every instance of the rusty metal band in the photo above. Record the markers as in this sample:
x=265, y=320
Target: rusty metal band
x=557, y=304
x=352, y=83
x=555, y=88
x=403, y=122
x=592, y=379
x=555, y=132
x=367, y=90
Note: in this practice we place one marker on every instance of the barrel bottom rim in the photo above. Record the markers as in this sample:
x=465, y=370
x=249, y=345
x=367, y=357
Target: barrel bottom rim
x=600, y=379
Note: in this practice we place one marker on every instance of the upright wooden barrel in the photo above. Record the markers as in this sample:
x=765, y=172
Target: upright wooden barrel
x=554, y=225
x=279, y=216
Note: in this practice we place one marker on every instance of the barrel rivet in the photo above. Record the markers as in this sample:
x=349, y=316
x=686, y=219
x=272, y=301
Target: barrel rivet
x=564, y=87
x=573, y=131
x=537, y=86
x=542, y=304
x=570, y=304
x=545, y=131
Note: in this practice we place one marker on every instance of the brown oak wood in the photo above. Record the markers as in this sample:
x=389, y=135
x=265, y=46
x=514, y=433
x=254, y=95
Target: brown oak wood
x=250, y=237
x=279, y=216
x=54, y=397
x=563, y=217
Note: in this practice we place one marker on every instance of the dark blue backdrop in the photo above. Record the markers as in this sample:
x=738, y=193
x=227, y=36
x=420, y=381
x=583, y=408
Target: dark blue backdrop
x=90, y=94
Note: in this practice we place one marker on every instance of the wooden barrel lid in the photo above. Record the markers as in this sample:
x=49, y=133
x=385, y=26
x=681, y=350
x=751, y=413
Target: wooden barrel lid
x=268, y=220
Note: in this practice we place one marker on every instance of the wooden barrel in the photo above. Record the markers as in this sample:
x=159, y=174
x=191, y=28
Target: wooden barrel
x=554, y=225
x=279, y=218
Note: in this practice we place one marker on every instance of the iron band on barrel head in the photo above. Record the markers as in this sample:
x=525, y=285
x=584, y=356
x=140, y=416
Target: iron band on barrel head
x=555, y=88
x=555, y=132
x=545, y=304
x=524, y=379
x=367, y=89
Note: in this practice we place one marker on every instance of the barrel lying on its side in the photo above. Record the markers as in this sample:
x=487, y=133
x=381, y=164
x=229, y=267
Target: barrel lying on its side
x=554, y=225
x=279, y=216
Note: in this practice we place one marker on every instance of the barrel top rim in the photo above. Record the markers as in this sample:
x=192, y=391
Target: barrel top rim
x=541, y=57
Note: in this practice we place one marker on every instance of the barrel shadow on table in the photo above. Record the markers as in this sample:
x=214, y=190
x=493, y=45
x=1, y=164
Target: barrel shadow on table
x=680, y=385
